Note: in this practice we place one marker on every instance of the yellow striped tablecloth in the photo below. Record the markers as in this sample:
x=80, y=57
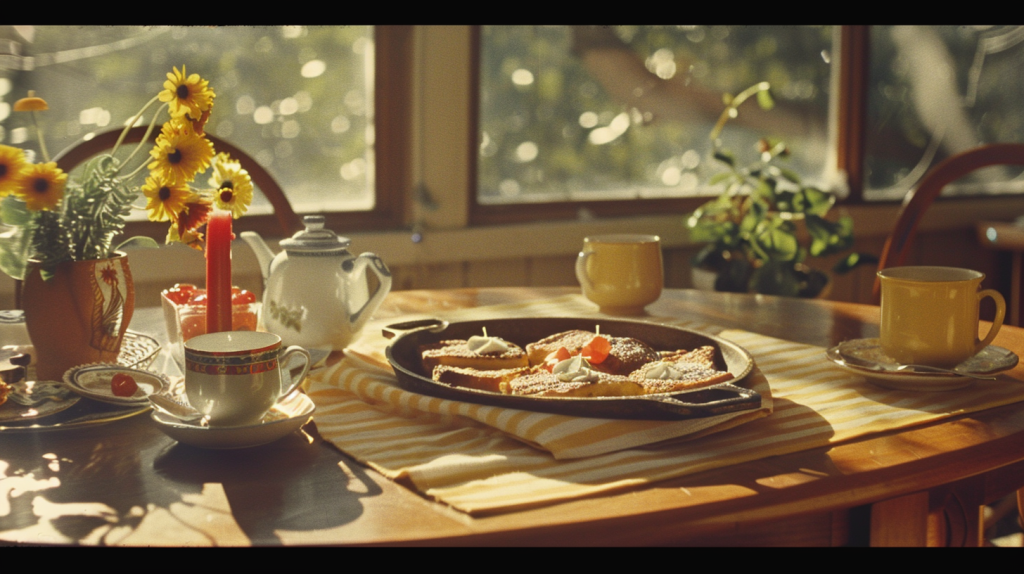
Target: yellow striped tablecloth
x=485, y=459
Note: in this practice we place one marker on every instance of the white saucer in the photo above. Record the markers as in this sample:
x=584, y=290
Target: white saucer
x=93, y=382
x=287, y=416
x=865, y=357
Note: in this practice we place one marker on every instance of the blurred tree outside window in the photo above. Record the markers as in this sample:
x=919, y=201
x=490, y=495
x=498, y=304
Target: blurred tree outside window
x=298, y=99
x=576, y=113
x=936, y=91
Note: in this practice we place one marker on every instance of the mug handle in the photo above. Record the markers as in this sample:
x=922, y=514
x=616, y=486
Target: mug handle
x=283, y=363
x=581, y=270
x=998, y=322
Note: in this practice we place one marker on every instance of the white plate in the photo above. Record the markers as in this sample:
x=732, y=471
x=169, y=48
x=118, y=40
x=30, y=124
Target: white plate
x=287, y=416
x=880, y=369
x=93, y=382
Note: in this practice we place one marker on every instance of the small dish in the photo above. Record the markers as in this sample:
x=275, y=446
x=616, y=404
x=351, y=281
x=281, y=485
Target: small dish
x=93, y=382
x=865, y=357
x=287, y=416
x=30, y=400
x=137, y=350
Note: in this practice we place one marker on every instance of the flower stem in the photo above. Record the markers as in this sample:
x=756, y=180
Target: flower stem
x=730, y=111
x=39, y=136
x=145, y=139
x=131, y=123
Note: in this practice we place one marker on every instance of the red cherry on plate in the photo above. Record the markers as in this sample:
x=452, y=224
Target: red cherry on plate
x=123, y=385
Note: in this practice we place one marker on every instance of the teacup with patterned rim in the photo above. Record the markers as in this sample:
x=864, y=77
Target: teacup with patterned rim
x=235, y=377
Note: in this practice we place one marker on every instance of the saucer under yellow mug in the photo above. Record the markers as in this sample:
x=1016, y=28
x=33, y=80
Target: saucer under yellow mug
x=930, y=315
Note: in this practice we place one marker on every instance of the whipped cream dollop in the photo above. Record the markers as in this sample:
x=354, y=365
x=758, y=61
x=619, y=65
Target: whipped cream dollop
x=575, y=370
x=487, y=345
x=665, y=371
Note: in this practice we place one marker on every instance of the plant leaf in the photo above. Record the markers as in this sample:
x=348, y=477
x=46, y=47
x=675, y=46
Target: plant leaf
x=725, y=157
x=137, y=242
x=854, y=260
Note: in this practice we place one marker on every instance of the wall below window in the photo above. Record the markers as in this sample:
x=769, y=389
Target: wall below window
x=543, y=254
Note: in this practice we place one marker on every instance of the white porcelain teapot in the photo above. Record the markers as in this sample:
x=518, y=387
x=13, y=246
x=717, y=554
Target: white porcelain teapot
x=316, y=294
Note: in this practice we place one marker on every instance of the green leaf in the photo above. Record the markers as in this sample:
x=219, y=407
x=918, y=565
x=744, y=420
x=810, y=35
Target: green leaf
x=14, y=248
x=137, y=242
x=720, y=177
x=790, y=175
x=775, y=241
x=14, y=211
x=765, y=189
x=854, y=260
x=725, y=157
x=812, y=201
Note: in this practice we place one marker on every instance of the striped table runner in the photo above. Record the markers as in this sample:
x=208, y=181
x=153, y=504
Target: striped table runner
x=484, y=459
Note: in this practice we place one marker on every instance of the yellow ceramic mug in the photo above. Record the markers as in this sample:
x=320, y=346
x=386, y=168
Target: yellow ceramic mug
x=622, y=273
x=930, y=315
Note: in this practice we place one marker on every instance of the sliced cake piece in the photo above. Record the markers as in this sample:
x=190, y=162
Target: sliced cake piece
x=680, y=370
x=475, y=352
x=485, y=380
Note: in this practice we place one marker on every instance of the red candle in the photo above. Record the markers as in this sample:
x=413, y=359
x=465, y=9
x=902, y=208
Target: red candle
x=218, y=272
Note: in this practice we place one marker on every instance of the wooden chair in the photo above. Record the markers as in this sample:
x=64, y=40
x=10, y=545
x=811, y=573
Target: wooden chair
x=287, y=220
x=897, y=245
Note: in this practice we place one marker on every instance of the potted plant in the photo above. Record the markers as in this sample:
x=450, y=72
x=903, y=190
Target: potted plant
x=766, y=225
x=58, y=231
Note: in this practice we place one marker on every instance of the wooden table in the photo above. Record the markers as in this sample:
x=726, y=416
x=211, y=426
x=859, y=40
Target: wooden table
x=127, y=483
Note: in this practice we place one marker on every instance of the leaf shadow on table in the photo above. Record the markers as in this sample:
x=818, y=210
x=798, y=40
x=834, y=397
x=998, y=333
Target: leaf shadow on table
x=294, y=484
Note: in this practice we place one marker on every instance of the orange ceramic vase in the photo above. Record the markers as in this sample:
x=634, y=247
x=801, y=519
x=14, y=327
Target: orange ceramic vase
x=80, y=315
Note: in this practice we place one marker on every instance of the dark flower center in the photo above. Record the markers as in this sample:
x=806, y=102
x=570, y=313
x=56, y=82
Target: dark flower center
x=40, y=185
x=226, y=195
x=3, y=169
x=182, y=92
x=165, y=193
x=174, y=156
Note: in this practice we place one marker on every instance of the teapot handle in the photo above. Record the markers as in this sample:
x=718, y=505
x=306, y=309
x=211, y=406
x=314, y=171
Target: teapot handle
x=383, y=275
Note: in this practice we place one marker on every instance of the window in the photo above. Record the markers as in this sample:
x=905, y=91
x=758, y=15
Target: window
x=299, y=99
x=587, y=113
x=938, y=90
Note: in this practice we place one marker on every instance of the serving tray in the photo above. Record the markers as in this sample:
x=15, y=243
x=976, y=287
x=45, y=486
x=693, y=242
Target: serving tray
x=726, y=397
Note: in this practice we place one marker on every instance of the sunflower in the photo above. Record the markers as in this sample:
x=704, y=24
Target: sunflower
x=12, y=161
x=164, y=199
x=232, y=186
x=41, y=185
x=186, y=94
x=180, y=153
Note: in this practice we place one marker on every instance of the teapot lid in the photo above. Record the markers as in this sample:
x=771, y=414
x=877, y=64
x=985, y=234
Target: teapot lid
x=315, y=237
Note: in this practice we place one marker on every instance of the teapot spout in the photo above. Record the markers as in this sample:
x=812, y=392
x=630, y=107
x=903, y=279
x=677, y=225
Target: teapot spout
x=264, y=256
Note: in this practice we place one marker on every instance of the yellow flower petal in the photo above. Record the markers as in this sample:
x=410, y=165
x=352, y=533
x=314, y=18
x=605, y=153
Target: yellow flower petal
x=41, y=185
x=164, y=198
x=186, y=95
x=32, y=103
x=12, y=162
x=180, y=153
x=232, y=186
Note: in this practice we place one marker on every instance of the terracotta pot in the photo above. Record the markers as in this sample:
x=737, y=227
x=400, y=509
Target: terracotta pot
x=80, y=315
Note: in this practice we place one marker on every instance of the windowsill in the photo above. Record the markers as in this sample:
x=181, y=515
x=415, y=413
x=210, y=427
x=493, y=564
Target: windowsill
x=545, y=239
